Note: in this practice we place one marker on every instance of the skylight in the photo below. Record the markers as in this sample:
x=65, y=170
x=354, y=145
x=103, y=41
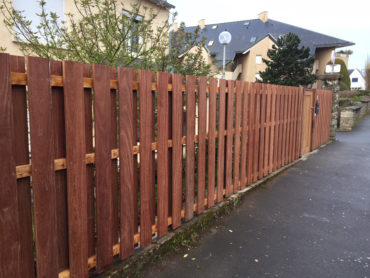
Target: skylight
x=214, y=27
x=210, y=43
x=246, y=23
x=253, y=39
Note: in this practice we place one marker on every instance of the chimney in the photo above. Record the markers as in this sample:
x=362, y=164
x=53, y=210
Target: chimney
x=263, y=16
x=202, y=23
x=175, y=27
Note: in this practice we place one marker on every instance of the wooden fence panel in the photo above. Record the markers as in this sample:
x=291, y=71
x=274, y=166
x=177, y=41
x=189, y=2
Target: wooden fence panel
x=212, y=142
x=221, y=141
x=177, y=131
x=19, y=98
x=60, y=176
x=90, y=168
x=244, y=142
x=202, y=132
x=257, y=127
x=43, y=174
x=146, y=162
x=10, y=251
x=103, y=161
x=238, y=106
x=76, y=178
x=127, y=139
x=229, y=139
x=190, y=147
x=251, y=127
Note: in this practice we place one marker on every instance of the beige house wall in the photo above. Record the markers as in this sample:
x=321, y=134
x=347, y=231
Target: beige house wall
x=322, y=57
x=249, y=66
x=12, y=47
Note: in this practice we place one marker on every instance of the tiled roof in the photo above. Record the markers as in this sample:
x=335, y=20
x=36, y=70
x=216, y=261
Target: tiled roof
x=163, y=3
x=247, y=33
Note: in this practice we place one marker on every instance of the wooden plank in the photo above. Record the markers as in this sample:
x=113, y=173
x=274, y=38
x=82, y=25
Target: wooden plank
x=103, y=161
x=291, y=115
x=284, y=125
x=273, y=129
x=244, y=146
x=60, y=176
x=146, y=163
x=238, y=107
x=277, y=127
x=177, y=130
x=202, y=132
x=190, y=147
x=114, y=145
x=127, y=137
x=262, y=138
x=229, y=140
x=221, y=141
x=300, y=124
x=251, y=124
x=19, y=98
x=90, y=168
x=163, y=162
x=295, y=109
x=43, y=174
x=76, y=178
x=135, y=131
x=212, y=141
x=267, y=150
x=10, y=251
x=257, y=126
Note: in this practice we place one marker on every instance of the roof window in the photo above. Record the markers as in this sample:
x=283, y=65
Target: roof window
x=210, y=43
x=246, y=23
x=214, y=27
x=253, y=39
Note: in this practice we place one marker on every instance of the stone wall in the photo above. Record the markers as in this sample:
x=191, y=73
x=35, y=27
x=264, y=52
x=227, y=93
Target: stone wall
x=351, y=115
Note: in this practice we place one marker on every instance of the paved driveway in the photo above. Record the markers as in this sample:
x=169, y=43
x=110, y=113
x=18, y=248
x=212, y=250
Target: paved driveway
x=313, y=220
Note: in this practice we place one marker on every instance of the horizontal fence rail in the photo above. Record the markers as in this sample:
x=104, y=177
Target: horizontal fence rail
x=98, y=162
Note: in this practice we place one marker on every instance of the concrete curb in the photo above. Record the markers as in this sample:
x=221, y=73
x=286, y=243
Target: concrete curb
x=131, y=267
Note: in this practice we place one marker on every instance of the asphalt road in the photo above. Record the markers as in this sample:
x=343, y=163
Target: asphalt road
x=313, y=220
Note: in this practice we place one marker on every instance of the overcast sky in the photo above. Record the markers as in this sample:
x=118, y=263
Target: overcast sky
x=347, y=20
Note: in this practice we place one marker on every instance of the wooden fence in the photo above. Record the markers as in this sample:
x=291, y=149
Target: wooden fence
x=118, y=157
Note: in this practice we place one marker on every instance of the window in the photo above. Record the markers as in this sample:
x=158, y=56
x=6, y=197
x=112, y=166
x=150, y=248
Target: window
x=134, y=38
x=214, y=27
x=210, y=43
x=354, y=79
x=257, y=76
x=258, y=59
x=253, y=39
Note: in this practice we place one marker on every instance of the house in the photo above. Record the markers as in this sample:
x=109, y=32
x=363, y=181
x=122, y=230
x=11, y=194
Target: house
x=357, y=79
x=252, y=38
x=62, y=7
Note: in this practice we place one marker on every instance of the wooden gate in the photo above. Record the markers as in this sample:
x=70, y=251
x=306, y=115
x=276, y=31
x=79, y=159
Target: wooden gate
x=308, y=103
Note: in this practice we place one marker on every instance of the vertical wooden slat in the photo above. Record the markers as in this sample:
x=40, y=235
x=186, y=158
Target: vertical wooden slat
x=261, y=155
x=238, y=106
x=295, y=107
x=290, y=134
x=90, y=168
x=146, y=162
x=43, y=175
x=190, y=147
x=272, y=130
x=177, y=130
x=284, y=110
x=202, y=131
x=10, y=251
x=229, y=139
x=19, y=99
x=136, y=157
x=60, y=176
x=244, y=146
x=251, y=126
x=103, y=161
x=300, y=123
x=257, y=127
x=114, y=171
x=267, y=131
x=127, y=138
x=212, y=142
x=163, y=162
x=221, y=141
x=76, y=165
x=279, y=109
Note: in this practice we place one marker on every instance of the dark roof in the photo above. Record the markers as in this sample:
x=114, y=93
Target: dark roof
x=163, y=3
x=350, y=71
x=243, y=31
